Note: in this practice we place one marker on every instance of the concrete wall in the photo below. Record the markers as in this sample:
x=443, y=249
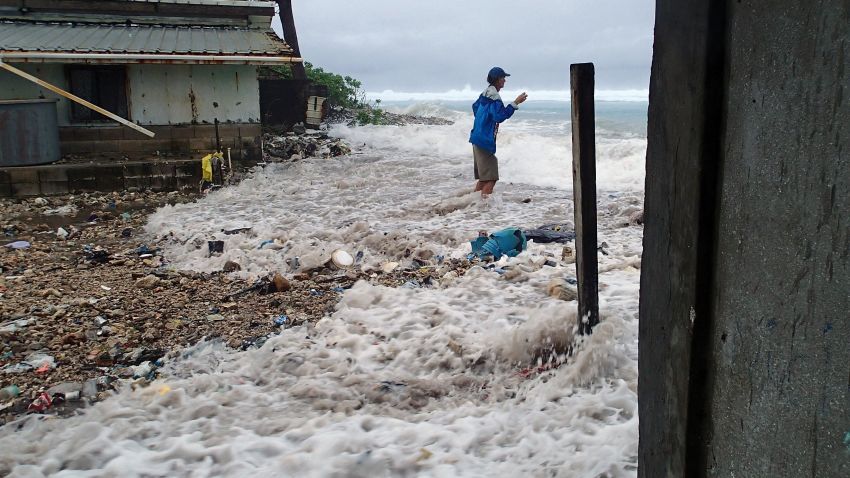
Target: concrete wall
x=745, y=287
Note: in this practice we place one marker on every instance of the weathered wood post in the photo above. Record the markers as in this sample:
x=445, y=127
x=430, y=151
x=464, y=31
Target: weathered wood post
x=584, y=194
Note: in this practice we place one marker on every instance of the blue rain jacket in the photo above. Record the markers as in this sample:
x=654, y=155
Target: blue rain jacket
x=489, y=112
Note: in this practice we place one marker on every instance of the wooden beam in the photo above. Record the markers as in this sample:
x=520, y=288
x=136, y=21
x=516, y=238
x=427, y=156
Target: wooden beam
x=584, y=194
x=287, y=22
x=77, y=99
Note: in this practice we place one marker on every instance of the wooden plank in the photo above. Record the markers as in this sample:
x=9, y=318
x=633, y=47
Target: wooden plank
x=681, y=164
x=584, y=193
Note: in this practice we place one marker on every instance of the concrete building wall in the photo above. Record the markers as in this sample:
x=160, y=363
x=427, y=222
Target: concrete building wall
x=780, y=341
x=745, y=285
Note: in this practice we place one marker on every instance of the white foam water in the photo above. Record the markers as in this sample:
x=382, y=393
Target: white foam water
x=427, y=381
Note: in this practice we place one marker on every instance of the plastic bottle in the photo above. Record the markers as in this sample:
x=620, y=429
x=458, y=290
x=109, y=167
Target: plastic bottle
x=9, y=393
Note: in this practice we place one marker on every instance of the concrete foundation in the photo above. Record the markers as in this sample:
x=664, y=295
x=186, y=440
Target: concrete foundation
x=58, y=179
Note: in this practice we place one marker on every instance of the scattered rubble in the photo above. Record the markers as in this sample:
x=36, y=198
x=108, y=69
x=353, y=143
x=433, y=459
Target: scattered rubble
x=80, y=316
x=294, y=147
x=349, y=117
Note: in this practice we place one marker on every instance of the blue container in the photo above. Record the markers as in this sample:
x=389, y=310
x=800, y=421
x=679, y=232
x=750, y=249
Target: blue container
x=29, y=132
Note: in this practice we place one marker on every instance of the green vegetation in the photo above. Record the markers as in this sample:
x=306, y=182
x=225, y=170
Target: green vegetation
x=343, y=91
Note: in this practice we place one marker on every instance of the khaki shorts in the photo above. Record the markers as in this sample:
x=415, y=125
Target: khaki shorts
x=486, y=164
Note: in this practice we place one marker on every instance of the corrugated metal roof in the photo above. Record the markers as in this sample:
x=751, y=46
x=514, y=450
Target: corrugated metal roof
x=138, y=39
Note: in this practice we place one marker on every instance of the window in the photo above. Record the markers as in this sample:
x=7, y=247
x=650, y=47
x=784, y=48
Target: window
x=104, y=86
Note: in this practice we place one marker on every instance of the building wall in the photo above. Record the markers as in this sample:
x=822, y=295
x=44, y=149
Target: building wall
x=179, y=103
x=183, y=94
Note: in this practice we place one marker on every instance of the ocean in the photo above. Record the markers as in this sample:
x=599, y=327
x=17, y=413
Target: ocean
x=408, y=381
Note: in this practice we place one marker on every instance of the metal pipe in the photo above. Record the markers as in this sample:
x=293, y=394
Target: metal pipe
x=149, y=58
x=229, y=162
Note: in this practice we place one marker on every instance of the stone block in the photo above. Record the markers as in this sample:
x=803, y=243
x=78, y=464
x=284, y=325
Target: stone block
x=5, y=178
x=163, y=183
x=188, y=169
x=112, y=133
x=53, y=173
x=182, y=132
x=5, y=190
x=250, y=130
x=204, y=131
x=79, y=133
x=54, y=188
x=206, y=145
x=132, y=170
x=81, y=173
x=82, y=185
x=25, y=189
x=23, y=175
x=141, y=182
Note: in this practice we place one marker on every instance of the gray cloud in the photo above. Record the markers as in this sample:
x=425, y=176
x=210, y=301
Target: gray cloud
x=440, y=45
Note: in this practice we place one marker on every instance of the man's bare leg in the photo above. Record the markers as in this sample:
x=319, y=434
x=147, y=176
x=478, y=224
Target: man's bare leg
x=479, y=185
x=487, y=188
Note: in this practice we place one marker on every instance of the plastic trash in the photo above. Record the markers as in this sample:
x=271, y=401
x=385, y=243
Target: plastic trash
x=41, y=403
x=10, y=392
x=266, y=242
x=411, y=284
x=90, y=388
x=144, y=249
x=238, y=230
x=341, y=259
x=509, y=242
x=281, y=320
x=388, y=267
x=18, y=245
x=126, y=216
x=561, y=233
x=96, y=254
x=215, y=247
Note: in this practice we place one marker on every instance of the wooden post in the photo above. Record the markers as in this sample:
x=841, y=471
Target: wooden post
x=584, y=194
x=287, y=23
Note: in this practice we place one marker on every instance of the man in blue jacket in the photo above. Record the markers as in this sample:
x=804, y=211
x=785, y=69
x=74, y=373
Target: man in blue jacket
x=489, y=112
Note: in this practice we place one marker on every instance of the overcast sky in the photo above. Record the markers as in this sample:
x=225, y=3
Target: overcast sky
x=407, y=45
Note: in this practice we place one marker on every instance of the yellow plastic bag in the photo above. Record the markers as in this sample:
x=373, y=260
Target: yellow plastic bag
x=206, y=168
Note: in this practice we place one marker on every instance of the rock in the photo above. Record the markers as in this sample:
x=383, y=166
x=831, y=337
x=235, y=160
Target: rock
x=215, y=317
x=636, y=219
x=53, y=292
x=231, y=266
x=65, y=387
x=147, y=282
x=280, y=283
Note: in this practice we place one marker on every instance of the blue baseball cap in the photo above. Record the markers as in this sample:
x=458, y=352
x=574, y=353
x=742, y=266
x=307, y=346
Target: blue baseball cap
x=497, y=72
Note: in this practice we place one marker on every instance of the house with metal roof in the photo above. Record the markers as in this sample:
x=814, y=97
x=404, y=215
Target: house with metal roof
x=184, y=71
